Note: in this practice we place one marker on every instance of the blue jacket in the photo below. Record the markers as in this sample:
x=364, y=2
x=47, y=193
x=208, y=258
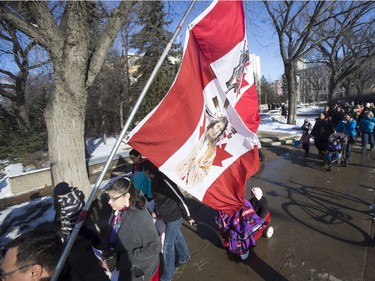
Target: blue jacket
x=347, y=127
x=366, y=125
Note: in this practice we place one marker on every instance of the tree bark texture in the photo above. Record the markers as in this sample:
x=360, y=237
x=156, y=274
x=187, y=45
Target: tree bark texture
x=291, y=77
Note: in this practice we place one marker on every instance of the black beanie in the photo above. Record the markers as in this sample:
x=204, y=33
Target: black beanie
x=61, y=188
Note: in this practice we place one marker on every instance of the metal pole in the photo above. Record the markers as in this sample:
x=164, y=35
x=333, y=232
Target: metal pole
x=98, y=182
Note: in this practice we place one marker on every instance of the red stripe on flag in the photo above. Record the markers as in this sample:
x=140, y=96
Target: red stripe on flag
x=216, y=22
x=227, y=193
x=247, y=108
x=178, y=115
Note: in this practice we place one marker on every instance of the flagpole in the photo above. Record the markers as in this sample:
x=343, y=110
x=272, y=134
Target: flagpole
x=99, y=181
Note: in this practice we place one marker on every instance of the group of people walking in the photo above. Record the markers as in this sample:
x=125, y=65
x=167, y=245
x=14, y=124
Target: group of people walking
x=353, y=121
x=134, y=248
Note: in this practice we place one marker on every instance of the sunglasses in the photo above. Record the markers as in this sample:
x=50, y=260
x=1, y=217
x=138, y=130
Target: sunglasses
x=4, y=274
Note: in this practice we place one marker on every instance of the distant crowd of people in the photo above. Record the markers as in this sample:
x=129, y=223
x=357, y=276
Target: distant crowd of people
x=353, y=120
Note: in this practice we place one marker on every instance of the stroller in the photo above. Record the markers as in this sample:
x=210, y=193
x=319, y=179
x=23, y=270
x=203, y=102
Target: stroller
x=336, y=148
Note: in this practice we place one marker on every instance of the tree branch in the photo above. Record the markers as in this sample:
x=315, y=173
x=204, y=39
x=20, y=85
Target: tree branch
x=111, y=30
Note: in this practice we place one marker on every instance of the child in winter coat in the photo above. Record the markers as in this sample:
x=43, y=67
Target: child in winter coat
x=305, y=140
x=259, y=202
x=334, y=150
x=71, y=201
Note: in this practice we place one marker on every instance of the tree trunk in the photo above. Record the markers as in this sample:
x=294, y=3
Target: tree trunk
x=332, y=90
x=65, y=125
x=65, y=111
x=22, y=118
x=20, y=108
x=291, y=78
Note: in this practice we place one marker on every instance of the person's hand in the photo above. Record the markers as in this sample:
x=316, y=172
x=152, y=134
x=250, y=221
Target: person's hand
x=192, y=222
x=109, y=264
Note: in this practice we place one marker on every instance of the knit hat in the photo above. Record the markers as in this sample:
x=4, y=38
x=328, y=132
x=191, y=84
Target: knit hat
x=61, y=188
x=258, y=193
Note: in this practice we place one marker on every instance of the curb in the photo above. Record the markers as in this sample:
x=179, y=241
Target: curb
x=268, y=139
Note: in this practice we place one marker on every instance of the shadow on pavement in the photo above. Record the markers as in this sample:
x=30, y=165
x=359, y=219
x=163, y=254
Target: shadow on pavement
x=326, y=208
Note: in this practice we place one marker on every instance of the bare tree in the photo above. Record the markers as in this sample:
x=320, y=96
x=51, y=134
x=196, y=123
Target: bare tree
x=295, y=22
x=127, y=97
x=365, y=77
x=317, y=78
x=15, y=46
x=348, y=43
x=77, y=54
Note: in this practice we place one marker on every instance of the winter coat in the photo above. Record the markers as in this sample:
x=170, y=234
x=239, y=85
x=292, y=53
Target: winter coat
x=70, y=274
x=322, y=129
x=334, y=147
x=366, y=125
x=170, y=203
x=82, y=260
x=305, y=138
x=260, y=206
x=347, y=127
x=137, y=245
x=71, y=206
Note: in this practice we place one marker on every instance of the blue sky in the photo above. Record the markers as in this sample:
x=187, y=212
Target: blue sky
x=262, y=37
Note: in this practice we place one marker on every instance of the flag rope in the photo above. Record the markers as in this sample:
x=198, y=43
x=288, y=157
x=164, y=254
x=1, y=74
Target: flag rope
x=95, y=189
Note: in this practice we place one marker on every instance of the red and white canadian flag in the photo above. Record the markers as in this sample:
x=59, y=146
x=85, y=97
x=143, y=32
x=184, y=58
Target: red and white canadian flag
x=202, y=134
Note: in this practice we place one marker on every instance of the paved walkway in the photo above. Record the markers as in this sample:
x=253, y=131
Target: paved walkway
x=321, y=231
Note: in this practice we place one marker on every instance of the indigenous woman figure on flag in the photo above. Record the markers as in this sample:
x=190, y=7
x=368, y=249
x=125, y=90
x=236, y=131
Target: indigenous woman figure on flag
x=194, y=168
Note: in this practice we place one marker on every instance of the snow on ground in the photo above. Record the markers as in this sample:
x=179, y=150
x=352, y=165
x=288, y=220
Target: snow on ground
x=25, y=216
x=31, y=214
x=272, y=121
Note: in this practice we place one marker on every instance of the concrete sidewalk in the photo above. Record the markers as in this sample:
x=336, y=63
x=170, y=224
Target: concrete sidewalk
x=319, y=217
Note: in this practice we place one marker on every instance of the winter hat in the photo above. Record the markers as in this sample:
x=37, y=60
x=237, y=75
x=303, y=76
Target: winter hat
x=61, y=188
x=258, y=193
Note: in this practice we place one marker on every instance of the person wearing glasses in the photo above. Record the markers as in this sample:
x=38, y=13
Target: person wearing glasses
x=132, y=235
x=33, y=256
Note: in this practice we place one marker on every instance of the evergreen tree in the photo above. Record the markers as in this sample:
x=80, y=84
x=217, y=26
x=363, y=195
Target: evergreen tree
x=150, y=43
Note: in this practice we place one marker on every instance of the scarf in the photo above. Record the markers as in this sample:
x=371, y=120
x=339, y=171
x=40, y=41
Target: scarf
x=113, y=228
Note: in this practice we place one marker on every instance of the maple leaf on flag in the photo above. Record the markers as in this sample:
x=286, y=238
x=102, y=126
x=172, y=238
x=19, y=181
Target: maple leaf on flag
x=221, y=155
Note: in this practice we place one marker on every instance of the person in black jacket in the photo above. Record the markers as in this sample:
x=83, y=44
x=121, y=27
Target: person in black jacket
x=259, y=202
x=170, y=207
x=321, y=131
